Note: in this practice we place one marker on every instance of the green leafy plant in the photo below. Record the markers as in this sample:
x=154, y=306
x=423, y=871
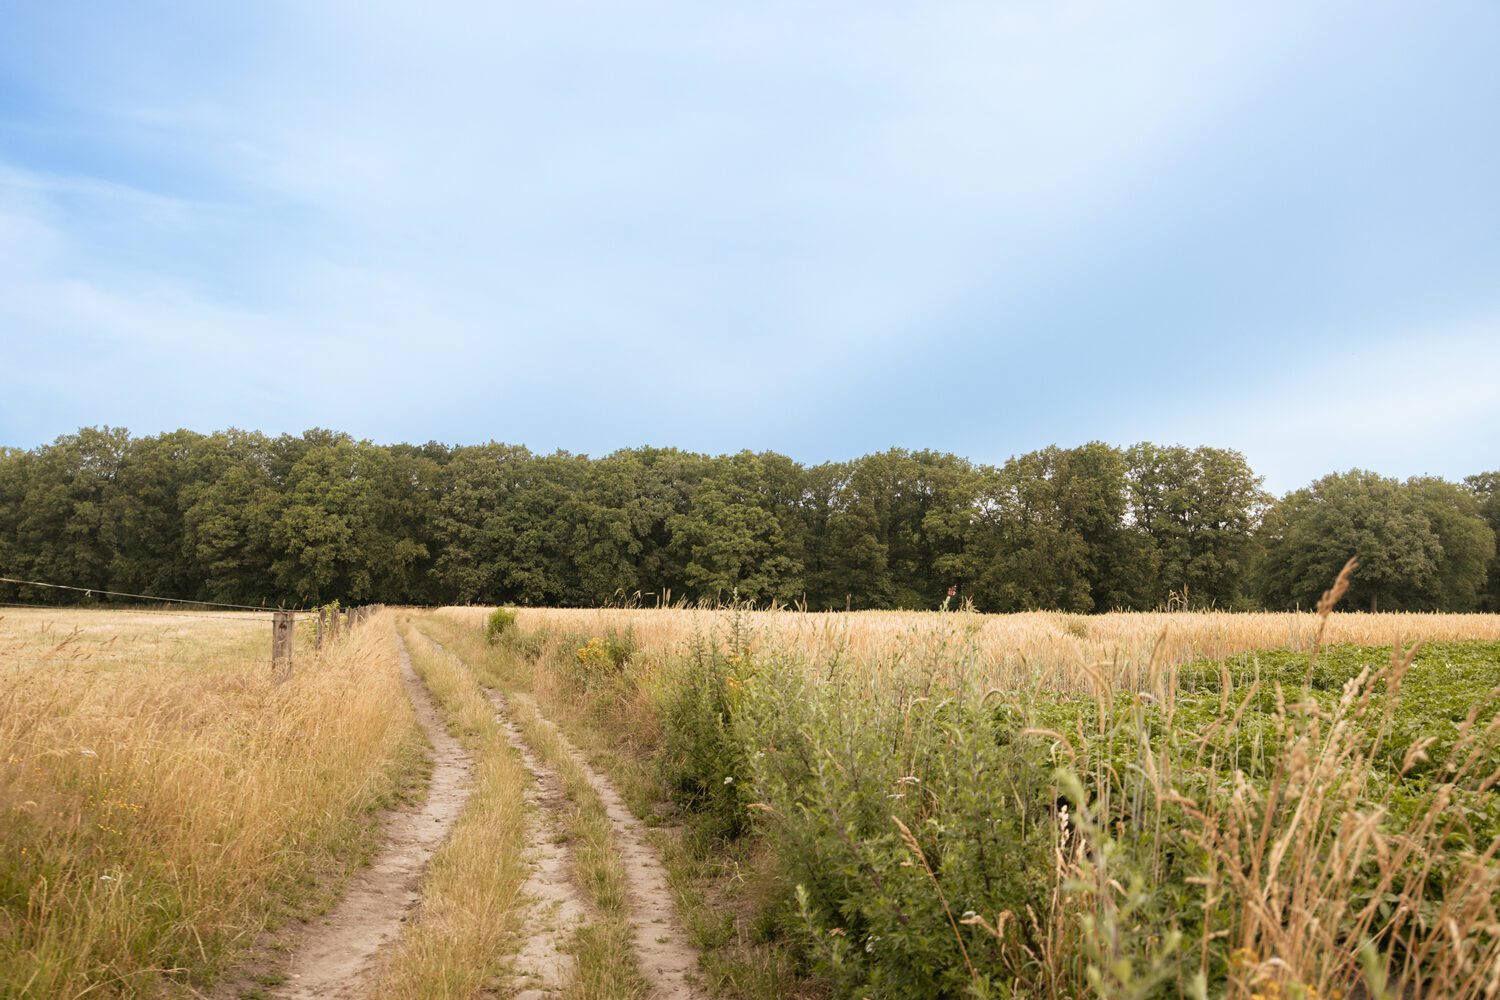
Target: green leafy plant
x=500, y=624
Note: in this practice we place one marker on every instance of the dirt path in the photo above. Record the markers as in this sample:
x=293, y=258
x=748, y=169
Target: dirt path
x=339, y=951
x=668, y=961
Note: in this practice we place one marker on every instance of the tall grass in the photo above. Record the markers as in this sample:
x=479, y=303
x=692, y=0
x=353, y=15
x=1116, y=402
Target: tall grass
x=162, y=799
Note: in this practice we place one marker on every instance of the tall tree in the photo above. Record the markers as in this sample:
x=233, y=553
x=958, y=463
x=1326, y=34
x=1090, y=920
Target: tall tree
x=730, y=539
x=847, y=562
x=1055, y=534
x=1398, y=532
x=145, y=530
x=64, y=532
x=472, y=532
x=1466, y=545
x=1200, y=508
x=229, y=506
x=1486, y=489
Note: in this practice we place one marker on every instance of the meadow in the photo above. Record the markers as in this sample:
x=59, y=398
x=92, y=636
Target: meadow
x=867, y=804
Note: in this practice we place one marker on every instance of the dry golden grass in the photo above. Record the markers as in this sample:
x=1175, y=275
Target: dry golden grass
x=162, y=798
x=1041, y=646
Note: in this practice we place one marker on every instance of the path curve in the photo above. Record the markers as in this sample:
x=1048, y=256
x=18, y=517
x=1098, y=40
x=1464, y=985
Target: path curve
x=339, y=952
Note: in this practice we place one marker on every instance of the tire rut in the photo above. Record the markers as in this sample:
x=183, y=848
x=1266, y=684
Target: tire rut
x=339, y=952
x=668, y=961
x=543, y=965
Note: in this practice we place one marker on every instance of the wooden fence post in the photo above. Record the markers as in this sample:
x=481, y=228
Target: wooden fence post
x=318, y=642
x=281, y=643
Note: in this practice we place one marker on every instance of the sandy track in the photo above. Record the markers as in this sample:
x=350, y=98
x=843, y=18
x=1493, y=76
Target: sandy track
x=337, y=954
x=668, y=961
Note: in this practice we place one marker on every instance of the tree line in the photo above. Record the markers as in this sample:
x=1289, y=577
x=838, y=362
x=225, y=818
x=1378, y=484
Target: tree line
x=245, y=518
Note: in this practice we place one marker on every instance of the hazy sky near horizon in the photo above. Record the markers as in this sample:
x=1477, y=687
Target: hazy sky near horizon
x=822, y=229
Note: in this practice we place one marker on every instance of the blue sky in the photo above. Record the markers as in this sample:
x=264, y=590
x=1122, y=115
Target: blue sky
x=824, y=229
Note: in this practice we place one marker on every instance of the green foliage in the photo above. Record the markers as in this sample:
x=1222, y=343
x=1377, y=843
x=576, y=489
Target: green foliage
x=1200, y=507
x=1422, y=545
x=921, y=825
x=1052, y=533
x=603, y=658
x=702, y=757
x=1486, y=490
x=833, y=767
x=500, y=624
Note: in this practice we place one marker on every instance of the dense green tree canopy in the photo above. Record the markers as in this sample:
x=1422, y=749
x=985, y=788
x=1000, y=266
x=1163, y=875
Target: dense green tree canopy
x=1486, y=489
x=248, y=519
x=1421, y=544
x=1200, y=508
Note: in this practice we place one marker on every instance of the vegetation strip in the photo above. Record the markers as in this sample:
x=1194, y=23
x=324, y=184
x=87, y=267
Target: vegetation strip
x=666, y=959
x=340, y=952
x=1088, y=529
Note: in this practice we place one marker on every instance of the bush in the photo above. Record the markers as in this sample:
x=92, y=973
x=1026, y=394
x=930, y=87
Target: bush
x=603, y=657
x=500, y=623
x=703, y=759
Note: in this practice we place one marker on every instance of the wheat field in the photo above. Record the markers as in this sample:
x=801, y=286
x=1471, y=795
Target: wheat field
x=1054, y=648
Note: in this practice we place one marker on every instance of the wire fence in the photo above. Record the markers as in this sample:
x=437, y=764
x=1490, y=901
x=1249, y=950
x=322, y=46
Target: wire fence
x=97, y=591
x=196, y=616
x=324, y=621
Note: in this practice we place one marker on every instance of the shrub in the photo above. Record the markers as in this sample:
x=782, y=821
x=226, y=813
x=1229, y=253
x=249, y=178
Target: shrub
x=603, y=657
x=500, y=624
x=703, y=759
